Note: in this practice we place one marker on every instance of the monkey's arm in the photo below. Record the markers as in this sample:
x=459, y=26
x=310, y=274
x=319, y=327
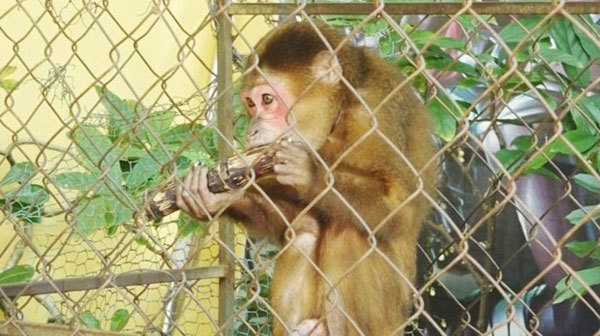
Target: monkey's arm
x=372, y=194
x=260, y=216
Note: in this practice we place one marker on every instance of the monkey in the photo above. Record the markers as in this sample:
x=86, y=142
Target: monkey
x=347, y=197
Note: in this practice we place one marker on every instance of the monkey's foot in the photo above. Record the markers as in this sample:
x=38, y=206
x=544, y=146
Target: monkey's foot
x=311, y=327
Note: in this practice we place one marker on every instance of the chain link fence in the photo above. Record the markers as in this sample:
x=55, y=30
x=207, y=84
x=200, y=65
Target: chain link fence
x=104, y=100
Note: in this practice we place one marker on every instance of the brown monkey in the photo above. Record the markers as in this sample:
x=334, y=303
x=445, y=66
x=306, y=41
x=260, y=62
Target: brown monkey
x=349, y=249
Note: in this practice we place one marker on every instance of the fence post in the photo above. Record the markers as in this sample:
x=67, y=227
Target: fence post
x=225, y=125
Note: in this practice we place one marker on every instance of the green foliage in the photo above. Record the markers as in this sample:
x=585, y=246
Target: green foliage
x=137, y=149
x=5, y=82
x=575, y=42
x=588, y=181
x=119, y=320
x=186, y=225
x=545, y=45
x=584, y=249
x=89, y=320
x=21, y=172
x=569, y=286
x=577, y=215
x=19, y=273
x=25, y=201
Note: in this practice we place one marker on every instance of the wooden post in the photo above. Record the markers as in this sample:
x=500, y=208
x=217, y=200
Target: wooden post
x=225, y=126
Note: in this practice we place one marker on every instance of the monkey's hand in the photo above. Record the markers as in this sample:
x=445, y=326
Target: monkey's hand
x=194, y=197
x=295, y=167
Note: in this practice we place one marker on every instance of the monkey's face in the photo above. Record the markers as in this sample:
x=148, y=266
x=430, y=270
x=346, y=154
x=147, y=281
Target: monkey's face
x=274, y=107
x=267, y=103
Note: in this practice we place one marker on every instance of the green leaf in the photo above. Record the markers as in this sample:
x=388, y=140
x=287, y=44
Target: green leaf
x=581, y=140
x=100, y=212
x=97, y=154
x=8, y=84
x=557, y=55
x=21, y=172
x=514, y=33
x=179, y=133
x=522, y=142
x=146, y=168
x=29, y=194
x=90, y=215
x=587, y=181
x=186, y=225
x=588, y=45
x=583, y=249
x=26, y=203
x=563, y=33
x=386, y=47
x=450, y=64
x=510, y=157
x=467, y=22
x=542, y=171
x=421, y=37
x=121, y=113
x=119, y=320
x=591, y=105
x=89, y=320
x=7, y=71
x=577, y=215
x=469, y=83
x=75, y=180
x=29, y=213
x=370, y=29
x=381, y=24
x=444, y=124
x=19, y=273
x=159, y=123
x=590, y=276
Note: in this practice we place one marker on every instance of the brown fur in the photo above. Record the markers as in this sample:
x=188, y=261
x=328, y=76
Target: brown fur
x=373, y=178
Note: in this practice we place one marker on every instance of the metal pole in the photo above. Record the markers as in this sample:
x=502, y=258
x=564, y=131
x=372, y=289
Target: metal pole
x=225, y=125
x=430, y=8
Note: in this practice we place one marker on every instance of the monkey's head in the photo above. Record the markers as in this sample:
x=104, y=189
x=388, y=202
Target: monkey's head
x=293, y=84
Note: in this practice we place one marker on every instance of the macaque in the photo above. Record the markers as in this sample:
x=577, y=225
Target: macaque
x=346, y=201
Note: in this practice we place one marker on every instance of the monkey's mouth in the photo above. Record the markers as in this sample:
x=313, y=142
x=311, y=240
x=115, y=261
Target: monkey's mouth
x=264, y=143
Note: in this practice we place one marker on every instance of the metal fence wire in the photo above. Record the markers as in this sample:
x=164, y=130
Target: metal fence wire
x=102, y=101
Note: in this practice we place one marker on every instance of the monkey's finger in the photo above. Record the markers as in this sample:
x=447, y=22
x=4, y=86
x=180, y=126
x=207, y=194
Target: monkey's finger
x=183, y=193
x=178, y=196
x=286, y=179
x=203, y=181
x=194, y=200
x=285, y=156
x=284, y=169
x=295, y=146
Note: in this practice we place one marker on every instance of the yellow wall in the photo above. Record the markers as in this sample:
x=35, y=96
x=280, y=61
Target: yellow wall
x=96, y=46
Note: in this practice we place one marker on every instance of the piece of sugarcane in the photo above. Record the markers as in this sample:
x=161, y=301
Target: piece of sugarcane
x=229, y=174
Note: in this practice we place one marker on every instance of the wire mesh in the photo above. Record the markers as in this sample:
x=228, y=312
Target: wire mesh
x=104, y=100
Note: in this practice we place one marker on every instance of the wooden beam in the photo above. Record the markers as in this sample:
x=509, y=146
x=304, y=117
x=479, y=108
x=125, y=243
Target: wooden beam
x=429, y=8
x=136, y=278
x=42, y=329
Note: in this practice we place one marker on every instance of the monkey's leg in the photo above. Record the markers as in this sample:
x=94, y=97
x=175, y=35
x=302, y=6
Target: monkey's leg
x=294, y=292
x=372, y=296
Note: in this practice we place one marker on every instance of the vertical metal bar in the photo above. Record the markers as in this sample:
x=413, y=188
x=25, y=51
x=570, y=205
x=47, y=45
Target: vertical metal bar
x=225, y=125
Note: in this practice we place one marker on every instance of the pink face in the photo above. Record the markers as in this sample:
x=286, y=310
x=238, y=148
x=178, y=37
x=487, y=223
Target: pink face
x=267, y=105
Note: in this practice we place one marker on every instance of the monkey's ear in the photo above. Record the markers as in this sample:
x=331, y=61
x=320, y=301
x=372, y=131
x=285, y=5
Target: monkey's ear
x=326, y=66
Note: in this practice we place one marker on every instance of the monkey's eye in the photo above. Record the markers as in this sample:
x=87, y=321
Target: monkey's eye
x=267, y=99
x=250, y=103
